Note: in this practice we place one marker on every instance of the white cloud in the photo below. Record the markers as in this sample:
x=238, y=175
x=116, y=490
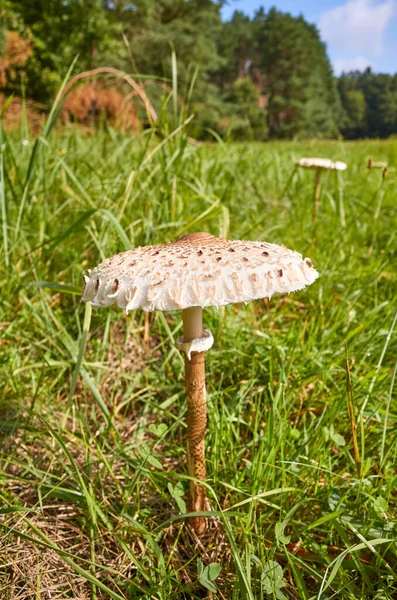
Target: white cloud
x=357, y=63
x=356, y=30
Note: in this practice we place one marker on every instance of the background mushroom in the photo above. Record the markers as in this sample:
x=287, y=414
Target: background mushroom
x=319, y=165
x=194, y=272
x=372, y=164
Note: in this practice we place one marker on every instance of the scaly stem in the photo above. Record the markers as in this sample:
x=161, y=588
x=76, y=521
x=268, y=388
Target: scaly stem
x=146, y=332
x=196, y=416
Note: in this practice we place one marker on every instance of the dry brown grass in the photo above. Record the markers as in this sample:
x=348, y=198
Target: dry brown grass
x=17, y=53
x=91, y=101
x=31, y=570
x=14, y=113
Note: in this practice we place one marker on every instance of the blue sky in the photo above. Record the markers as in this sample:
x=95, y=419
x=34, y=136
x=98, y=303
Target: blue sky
x=358, y=33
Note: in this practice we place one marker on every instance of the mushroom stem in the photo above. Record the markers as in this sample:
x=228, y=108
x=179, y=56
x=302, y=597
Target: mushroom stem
x=192, y=323
x=316, y=197
x=146, y=332
x=196, y=416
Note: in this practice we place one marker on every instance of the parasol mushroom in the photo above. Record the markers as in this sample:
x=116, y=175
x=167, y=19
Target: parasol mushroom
x=371, y=164
x=320, y=165
x=194, y=272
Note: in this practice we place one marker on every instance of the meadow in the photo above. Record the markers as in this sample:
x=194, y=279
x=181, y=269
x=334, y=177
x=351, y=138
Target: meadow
x=92, y=473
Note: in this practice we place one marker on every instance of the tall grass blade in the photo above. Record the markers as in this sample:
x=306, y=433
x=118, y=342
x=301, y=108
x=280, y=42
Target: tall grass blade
x=4, y=222
x=352, y=417
x=386, y=417
x=56, y=106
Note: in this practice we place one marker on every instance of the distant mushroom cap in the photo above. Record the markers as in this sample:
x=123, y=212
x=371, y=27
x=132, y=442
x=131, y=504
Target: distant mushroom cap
x=197, y=270
x=321, y=163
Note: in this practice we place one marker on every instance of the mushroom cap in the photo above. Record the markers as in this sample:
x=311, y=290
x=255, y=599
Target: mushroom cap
x=372, y=164
x=197, y=270
x=321, y=163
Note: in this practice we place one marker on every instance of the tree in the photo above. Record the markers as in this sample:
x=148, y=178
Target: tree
x=155, y=27
x=370, y=104
x=273, y=67
x=302, y=98
x=59, y=32
x=237, y=48
x=354, y=122
x=247, y=119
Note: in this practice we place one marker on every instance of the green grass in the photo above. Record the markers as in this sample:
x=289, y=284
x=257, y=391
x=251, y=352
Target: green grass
x=93, y=471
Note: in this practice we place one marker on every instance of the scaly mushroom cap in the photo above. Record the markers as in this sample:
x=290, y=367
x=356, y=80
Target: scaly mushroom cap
x=197, y=270
x=321, y=163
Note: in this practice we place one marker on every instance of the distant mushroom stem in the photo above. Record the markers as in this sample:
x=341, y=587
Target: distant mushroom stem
x=317, y=189
x=196, y=416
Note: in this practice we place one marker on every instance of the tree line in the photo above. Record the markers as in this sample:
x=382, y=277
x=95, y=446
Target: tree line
x=248, y=78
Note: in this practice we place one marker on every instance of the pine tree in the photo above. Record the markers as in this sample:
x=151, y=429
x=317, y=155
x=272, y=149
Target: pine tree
x=60, y=31
x=370, y=104
x=236, y=45
x=302, y=98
